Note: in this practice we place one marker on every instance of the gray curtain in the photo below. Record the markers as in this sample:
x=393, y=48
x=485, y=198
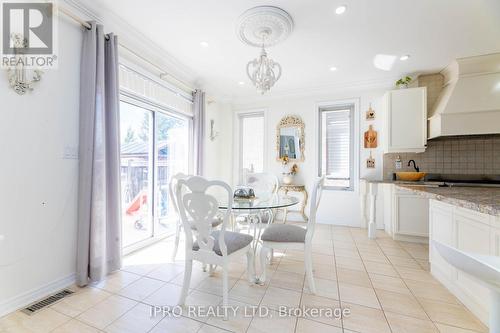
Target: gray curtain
x=99, y=225
x=199, y=131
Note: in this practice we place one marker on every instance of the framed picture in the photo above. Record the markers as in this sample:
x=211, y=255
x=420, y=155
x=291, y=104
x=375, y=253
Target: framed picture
x=370, y=163
x=370, y=114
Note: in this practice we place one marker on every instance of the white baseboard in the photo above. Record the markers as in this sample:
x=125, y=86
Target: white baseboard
x=339, y=223
x=411, y=239
x=17, y=302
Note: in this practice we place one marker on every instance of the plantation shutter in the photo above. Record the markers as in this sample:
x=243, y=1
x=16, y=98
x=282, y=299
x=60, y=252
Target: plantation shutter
x=336, y=151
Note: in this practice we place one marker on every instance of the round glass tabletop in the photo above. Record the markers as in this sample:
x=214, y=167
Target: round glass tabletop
x=276, y=201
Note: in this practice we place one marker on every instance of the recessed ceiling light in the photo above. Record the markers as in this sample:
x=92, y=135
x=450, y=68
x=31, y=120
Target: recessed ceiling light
x=204, y=44
x=241, y=83
x=405, y=57
x=340, y=10
x=384, y=62
x=333, y=68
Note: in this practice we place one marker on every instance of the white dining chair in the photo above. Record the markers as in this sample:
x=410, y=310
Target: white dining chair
x=292, y=237
x=197, y=209
x=265, y=185
x=485, y=268
x=178, y=227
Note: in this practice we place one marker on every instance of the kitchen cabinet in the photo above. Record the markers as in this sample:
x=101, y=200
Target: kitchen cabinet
x=495, y=242
x=410, y=216
x=472, y=235
x=469, y=231
x=441, y=230
x=406, y=120
x=405, y=214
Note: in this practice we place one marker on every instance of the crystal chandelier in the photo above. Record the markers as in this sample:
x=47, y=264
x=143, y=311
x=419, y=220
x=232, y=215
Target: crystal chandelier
x=261, y=71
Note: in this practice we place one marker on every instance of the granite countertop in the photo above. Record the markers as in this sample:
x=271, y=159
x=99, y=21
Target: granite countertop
x=404, y=182
x=481, y=199
x=384, y=181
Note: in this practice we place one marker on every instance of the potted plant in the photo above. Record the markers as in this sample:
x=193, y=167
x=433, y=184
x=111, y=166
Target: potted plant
x=403, y=82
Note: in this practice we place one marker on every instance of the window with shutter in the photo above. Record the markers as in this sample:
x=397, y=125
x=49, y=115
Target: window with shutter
x=336, y=146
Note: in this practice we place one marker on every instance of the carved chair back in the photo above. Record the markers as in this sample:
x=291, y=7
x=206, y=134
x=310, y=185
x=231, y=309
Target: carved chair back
x=264, y=184
x=315, y=201
x=197, y=209
x=172, y=190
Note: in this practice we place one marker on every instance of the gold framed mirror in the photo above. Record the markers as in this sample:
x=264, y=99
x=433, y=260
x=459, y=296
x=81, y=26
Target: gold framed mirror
x=290, y=139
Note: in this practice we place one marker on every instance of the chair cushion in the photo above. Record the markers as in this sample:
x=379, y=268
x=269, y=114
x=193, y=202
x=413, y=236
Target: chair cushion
x=215, y=222
x=284, y=233
x=234, y=241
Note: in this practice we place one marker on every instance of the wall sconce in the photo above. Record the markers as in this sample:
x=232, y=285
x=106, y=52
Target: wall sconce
x=22, y=79
x=213, y=132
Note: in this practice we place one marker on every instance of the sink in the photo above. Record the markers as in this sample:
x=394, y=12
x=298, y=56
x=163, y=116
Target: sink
x=410, y=176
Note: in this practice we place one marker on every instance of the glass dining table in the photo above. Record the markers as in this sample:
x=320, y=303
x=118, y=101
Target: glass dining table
x=259, y=213
x=261, y=203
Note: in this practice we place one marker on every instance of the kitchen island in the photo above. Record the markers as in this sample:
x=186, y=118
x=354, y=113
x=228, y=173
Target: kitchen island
x=466, y=218
x=481, y=199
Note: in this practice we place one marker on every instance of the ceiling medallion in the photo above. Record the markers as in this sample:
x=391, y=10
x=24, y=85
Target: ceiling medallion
x=264, y=26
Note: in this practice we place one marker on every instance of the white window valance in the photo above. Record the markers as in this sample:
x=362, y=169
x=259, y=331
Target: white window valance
x=140, y=84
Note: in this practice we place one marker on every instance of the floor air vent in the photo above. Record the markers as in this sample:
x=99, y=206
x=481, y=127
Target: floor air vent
x=46, y=302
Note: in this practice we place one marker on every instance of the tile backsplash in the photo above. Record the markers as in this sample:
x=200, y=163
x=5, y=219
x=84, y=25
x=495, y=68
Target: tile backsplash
x=452, y=155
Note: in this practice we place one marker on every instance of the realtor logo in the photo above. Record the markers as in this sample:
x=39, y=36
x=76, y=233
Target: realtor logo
x=28, y=33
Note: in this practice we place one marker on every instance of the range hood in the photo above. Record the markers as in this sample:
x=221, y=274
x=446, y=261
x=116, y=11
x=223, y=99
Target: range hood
x=469, y=103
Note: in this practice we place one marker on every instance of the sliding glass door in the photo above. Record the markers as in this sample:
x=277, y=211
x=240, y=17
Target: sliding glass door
x=154, y=146
x=136, y=172
x=172, y=157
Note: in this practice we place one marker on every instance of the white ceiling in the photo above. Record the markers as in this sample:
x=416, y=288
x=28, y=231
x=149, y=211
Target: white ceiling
x=433, y=32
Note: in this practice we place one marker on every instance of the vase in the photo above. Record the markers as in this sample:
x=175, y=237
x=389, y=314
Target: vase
x=287, y=179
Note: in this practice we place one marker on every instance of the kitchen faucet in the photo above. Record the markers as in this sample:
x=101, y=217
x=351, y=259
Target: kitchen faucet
x=414, y=165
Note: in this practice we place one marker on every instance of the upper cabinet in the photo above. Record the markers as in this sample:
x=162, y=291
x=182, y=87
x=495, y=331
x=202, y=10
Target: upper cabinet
x=406, y=120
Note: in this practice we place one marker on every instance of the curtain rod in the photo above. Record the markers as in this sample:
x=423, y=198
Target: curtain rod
x=163, y=73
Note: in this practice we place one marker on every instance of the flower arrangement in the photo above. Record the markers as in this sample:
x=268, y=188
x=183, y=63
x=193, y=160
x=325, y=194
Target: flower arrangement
x=293, y=170
x=289, y=173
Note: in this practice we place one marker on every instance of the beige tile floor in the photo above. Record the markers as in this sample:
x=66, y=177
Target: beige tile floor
x=385, y=284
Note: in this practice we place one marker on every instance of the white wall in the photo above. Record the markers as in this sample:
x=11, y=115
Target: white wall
x=38, y=199
x=218, y=153
x=338, y=207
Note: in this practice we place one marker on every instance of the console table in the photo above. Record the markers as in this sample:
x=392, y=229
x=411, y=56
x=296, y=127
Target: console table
x=298, y=189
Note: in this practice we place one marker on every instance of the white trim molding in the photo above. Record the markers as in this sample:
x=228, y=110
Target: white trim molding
x=356, y=101
x=320, y=90
x=130, y=38
x=237, y=142
x=30, y=296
